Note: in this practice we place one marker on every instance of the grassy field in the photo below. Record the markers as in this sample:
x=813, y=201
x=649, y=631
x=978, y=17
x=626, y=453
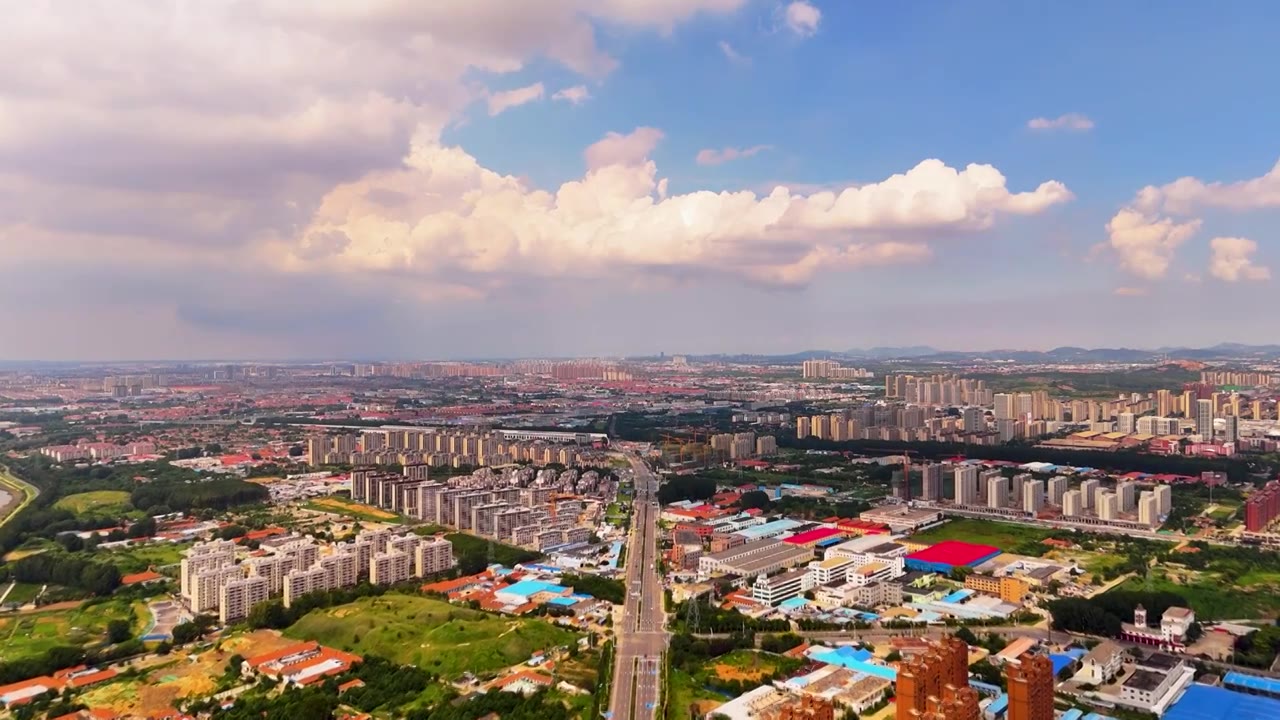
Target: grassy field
x=1213, y=599
x=340, y=506
x=98, y=502
x=431, y=634
x=34, y=633
x=1005, y=536
x=683, y=693
x=21, y=492
x=137, y=559
x=22, y=593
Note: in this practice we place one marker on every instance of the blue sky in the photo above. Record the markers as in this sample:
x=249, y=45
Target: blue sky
x=367, y=154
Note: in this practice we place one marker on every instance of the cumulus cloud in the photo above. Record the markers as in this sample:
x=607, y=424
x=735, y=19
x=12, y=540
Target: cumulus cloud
x=733, y=55
x=711, y=156
x=1146, y=233
x=1188, y=195
x=618, y=149
x=1073, y=122
x=1231, y=260
x=503, y=101
x=801, y=18
x=1129, y=291
x=1145, y=244
x=575, y=95
x=465, y=219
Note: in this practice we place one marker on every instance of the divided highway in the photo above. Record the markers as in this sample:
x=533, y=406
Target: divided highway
x=641, y=635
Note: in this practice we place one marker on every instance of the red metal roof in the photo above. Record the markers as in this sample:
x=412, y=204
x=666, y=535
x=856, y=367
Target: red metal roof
x=813, y=536
x=955, y=553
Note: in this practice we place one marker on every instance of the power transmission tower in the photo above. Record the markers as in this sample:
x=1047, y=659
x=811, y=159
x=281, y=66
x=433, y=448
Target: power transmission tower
x=693, y=614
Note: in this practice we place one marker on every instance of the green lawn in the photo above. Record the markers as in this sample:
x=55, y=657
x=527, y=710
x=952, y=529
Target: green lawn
x=137, y=559
x=34, y=633
x=1213, y=599
x=430, y=634
x=683, y=691
x=22, y=593
x=1005, y=536
x=98, y=502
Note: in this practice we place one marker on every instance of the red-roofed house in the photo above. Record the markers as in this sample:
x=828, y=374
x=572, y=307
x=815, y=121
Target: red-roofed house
x=525, y=682
x=142, y=578
x=300, y=663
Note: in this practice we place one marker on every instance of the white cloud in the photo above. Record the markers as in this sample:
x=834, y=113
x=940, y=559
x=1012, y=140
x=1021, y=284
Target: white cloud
x=1231, y=260
x=802, y=18
x=576, y=95
x=1146, y=233
x=733, y=55
x=1129, y=291
x=711, y=156
x=460, y=220
x=1074, y=122
x=615, y=148
x=503, y=101
x=1146, y=245
x=1187, y=195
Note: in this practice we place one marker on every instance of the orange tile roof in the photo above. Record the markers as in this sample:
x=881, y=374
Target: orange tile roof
x=357, y=683
x=92, y=678
x=142, y=577
x=534, y=677
x=283, y=652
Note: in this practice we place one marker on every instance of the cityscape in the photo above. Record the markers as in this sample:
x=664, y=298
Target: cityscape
x=639, y=360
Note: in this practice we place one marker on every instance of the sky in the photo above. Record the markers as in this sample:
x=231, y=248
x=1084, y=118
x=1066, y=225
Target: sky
x=400, y=179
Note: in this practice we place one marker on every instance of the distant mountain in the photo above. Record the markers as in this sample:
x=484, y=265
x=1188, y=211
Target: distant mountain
x=885, y=353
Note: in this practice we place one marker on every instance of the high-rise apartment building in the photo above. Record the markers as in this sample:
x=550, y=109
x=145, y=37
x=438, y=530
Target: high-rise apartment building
x=997, y=492
x=1006, y=406
x=1108, y=505
x=1058, y=487
x=1088, y=491
x=936, y=678
x=1127, y=423
x=1033, y=496
x=389, y=568
x=966, y=485
x=238, y=596
x=1072, y=503
x=1230, y=429
x=1148, y=509
x=204, y=556
x=1164, y=499
x=1126, y=494
x=1204, y=419
x=931, y=489
x=974, y=420
x=1030, y=679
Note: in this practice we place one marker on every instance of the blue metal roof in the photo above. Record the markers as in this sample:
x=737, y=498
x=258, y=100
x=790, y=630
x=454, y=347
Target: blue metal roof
x=849, y=660
x=1072, y=714
x=999, y=705
x=566, y=601
x=1060, y=662
x=957, y=596
x=1255, y=683
x=1204, y=702
x=531, y=587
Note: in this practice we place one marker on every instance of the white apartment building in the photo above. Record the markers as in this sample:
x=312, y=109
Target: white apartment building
x=1058, y=487
x=206, y=587
x=1148, y=509
x=238, y=597
x=1033, y=496
x=301, y=582
x=1072, y=504
x=1108, y=506
x=388, y=568
x=433, y=556
x=203, y=556
x=273, y=568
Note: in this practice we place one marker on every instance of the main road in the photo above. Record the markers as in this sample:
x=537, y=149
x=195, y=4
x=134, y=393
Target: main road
x=641, y=634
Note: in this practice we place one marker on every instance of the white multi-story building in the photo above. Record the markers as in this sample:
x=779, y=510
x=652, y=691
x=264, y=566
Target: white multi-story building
x=1058, y=487
x=273, y=568
x=212, y=555
x=238, y=597
x=1033, y=496
x=433, y=556
x=1164, y=499
x=1148, y=509
x=1072, y=504
x=966, y=489
x=389, y=568
x=1088, y=493
x=1127, y=493
x=1108, y=506
x=206, y=587
x=833, y=569
x=775, y=589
